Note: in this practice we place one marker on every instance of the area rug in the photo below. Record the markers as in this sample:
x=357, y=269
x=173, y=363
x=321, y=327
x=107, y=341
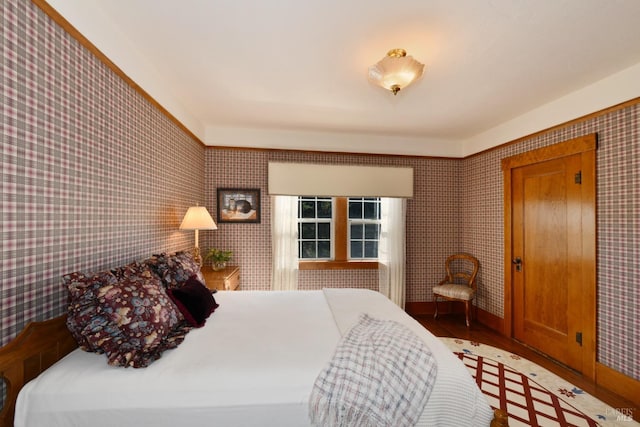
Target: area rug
x=530, y=394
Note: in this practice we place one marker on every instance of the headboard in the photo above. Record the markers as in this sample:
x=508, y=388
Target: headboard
x=37, y=347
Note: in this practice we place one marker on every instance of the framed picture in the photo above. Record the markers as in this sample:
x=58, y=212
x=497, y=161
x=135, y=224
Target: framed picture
x=238, y=205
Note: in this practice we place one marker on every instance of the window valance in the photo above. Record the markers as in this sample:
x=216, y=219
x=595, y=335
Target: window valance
x=310, y=179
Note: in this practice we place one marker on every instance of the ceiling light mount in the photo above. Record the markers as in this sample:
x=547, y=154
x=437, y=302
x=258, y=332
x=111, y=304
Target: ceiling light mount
x=397, y=53
x=395, y=71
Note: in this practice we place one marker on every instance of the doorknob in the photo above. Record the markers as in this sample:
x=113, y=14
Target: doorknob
x=517, y=261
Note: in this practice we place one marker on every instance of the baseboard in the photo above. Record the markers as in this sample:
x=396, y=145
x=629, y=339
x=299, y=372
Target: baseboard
x=490, y=320
x=427, y=308
x=620, y=384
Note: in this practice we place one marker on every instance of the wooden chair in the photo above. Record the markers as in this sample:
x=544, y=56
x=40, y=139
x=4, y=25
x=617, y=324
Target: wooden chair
x=460, y=282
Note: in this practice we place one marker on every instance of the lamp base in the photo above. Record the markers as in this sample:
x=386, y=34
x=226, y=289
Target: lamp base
x=197, y=257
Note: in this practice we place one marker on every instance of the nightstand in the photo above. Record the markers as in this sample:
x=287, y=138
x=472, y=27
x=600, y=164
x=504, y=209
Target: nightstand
x=227, y=279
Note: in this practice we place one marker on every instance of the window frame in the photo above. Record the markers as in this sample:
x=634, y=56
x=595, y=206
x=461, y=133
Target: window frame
x=340, y=248
x=316, y=220
x=364, y=222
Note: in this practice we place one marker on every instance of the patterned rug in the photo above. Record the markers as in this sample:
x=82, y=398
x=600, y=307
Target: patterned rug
x=530, y=394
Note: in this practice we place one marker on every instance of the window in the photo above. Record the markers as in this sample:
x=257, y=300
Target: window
x=364, y=227
x=338, y=232
x=314, y=227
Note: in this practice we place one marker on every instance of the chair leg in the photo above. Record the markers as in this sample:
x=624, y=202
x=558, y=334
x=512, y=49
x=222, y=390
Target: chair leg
x=435, y=315
x=466, y=312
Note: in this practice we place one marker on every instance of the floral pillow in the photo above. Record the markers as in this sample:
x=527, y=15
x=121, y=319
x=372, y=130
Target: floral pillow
x=82, y=314
x=175, y=269
x=129, y=318
x=143, y=313
x=136, y=268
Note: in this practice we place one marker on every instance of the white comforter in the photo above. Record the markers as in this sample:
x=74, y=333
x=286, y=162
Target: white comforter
x=253, y=364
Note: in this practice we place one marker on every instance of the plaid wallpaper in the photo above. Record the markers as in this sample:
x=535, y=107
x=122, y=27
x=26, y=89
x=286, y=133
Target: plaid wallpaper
x=458, y=205
x=618, y=228
x=433, y=226
x=92, y=174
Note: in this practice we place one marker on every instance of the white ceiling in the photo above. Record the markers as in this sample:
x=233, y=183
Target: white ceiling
x=301, y=65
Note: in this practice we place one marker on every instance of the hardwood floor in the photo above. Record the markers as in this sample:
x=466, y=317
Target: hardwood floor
x=453, y=325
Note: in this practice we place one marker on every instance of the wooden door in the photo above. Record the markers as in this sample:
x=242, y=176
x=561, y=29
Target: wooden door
x=552, y=253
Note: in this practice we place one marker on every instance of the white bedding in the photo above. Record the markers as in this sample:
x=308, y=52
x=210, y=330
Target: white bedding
x=253, y=364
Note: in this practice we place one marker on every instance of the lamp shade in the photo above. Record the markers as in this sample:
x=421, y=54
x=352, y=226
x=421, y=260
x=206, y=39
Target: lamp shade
x=198, y=218
x=395, y=71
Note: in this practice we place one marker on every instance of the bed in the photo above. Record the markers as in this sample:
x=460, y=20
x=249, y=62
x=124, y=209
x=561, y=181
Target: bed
x=253, y=364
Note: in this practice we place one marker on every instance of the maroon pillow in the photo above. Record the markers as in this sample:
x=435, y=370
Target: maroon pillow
x=194, y=300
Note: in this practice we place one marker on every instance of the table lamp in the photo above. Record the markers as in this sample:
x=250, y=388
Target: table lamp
x=197, y=218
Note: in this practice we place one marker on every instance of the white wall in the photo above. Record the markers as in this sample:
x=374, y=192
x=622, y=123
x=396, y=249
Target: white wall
x=615, y=89
x=85, y=16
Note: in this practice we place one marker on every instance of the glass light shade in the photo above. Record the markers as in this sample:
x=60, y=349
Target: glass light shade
x=395, y=71
x=198, y=218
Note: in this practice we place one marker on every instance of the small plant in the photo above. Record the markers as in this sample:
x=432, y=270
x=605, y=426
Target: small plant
x=218, y=258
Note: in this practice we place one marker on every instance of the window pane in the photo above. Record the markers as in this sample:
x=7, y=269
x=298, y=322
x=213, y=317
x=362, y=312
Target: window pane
x=371, y=210
x=315, y=216
x=308, y=249
x=355, y=209
x=356, y=231
x=324, y=249
x=324, y=209
x=308, y=231
x=371, y=231
x=324, y=230
x=308, y=208
x=356, y=249
x=371, y=249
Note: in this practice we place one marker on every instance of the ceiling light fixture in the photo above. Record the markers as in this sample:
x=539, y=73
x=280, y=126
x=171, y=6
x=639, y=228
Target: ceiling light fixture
x=395, y=71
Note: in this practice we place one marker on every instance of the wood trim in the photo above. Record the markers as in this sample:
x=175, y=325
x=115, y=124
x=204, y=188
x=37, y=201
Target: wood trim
x=508, y=254
x=490, y=320
x=428, y=308
x=589, y=258
x=340, y=231
x=577, y=145
x=37, y=347
x=73, y=32
x=618, y=383
x=340, y=259
x=559, y=126
x=585, y=145
x=423, y=308
x=338, y=265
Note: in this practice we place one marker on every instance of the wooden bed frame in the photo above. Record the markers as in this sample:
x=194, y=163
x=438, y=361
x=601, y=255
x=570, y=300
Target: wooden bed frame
x=37, y=347
x=41, y=344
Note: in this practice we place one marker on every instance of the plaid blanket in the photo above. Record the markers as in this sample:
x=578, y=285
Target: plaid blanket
x=381, y=374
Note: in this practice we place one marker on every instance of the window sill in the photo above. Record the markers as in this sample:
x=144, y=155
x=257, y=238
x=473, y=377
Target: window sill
x=337, y=265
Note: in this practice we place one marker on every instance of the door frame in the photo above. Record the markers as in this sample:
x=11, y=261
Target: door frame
x=585, y=145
